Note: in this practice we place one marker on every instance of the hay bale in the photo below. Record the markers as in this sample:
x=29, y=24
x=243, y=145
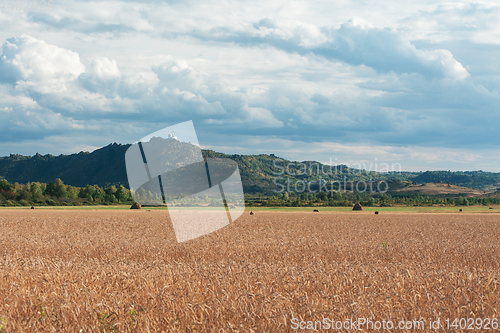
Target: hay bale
x=316, y=211
x=32, y=207
x=252, y=213
x=460, y=210
x=136, y=205
x=376, y=212
x=357, y=206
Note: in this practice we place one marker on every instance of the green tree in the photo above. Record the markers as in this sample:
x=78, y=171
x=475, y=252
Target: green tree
x=72, y=192
x=5, y=185
x=36, y=192
x=24, y=194
x=50, y=189
x=321, y=196
x=92, y=193
x=110, y=190
x=60, y=189
x=122, y=194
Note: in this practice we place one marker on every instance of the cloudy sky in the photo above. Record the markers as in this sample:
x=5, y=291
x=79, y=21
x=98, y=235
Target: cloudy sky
x=348, y=81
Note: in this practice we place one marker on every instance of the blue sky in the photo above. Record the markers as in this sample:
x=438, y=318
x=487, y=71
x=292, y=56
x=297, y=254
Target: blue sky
x=414, y=83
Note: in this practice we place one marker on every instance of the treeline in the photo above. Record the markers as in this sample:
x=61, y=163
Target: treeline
x=338, y=199
x=58, y=194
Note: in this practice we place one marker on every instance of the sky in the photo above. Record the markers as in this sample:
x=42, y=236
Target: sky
x=408, y=83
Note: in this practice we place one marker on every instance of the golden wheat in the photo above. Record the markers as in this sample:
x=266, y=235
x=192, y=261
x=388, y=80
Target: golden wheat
x=123, y=271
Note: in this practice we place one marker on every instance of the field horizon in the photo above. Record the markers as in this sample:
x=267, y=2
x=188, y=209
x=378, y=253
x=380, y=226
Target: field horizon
x=397, y=208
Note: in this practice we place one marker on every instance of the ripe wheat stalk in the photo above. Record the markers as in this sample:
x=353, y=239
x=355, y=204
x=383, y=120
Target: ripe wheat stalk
x=123, y=271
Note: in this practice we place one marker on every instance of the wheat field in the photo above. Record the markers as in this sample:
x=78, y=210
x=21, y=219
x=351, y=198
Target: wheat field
x=123, y=271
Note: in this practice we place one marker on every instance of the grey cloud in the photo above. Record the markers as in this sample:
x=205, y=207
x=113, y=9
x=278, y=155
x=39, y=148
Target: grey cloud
x=55, y=79
x=409, y=108
x=266, y=23
x=355, y=43
x=445, y=112
x=208, y=96
x=74, y=24
x=455, y=21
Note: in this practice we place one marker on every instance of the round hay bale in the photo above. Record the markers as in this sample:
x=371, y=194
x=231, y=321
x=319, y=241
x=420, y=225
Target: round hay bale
x=460, y=210
x=376, y=212
x=490, y=207
x=316, y=211
x=32, y=207
x=136, y=205
x=357, y=206
x=252, y=213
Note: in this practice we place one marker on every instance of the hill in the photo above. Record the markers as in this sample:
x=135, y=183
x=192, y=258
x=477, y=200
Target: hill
x=473, y=179
x=102, y=167
x=261, y=174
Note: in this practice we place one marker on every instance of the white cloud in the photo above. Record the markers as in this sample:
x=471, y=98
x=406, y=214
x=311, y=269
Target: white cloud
x=209, y=97
x=32, y=62
x=103, y=69
x=475, y=21
x=102, y=76
x=51, y=90
x=356, y=42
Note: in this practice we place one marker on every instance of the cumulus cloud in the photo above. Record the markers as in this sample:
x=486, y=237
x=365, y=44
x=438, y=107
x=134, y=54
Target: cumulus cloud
x=22, y=118
x=52, y=72
x=56, y=78
x=386, y=50
x=209, y=97
x=102, y=76
x=29, y=60
x=356, y=42
x=47, y=89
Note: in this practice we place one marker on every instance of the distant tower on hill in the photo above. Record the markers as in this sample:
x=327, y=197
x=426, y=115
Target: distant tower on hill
x=172, y=136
